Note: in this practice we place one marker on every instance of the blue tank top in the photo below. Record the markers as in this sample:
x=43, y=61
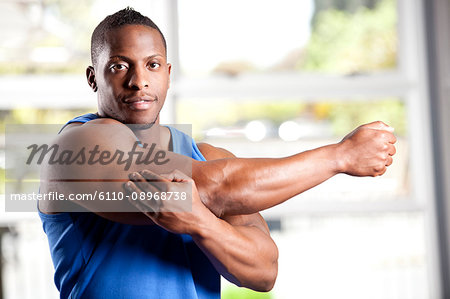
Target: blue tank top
x=95, y=258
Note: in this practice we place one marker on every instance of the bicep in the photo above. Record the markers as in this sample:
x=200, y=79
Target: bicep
x=251, y=220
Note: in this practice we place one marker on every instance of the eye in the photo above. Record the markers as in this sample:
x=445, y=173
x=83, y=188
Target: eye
x=154, y=65
x=118, y=67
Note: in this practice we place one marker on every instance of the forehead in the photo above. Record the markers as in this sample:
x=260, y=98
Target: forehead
x=134, y=39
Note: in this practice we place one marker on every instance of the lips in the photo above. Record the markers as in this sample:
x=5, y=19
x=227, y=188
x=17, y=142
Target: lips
x=139, y=102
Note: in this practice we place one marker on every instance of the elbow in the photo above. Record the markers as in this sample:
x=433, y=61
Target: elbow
x=264, y=278
x=267, y=282
x=265, y=285
x=267, y=275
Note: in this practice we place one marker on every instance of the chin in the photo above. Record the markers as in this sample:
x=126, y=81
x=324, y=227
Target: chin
x=143, y=120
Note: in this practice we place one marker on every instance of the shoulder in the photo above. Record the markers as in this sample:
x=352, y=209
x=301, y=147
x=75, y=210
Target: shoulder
x=102, y=131
x=92, y=125
x=211, y=152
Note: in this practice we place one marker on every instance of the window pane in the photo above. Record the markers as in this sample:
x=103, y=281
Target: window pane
x=331, y=118
x=42, y=37
x=330, y=36
x=368, y=256
x=277, y=128
x=45, y=36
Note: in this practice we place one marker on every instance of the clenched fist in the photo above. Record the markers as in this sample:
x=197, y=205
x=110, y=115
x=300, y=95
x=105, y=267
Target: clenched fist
x=368, y=150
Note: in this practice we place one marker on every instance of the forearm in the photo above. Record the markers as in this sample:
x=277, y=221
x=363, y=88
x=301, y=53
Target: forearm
x=245, y=186
x=245, y=255
x=239, y=247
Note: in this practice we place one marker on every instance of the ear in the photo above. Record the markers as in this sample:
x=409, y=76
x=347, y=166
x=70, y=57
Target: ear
x=169, y=68
x=90, y=75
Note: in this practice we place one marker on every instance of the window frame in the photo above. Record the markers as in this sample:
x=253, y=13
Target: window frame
x=409, y=82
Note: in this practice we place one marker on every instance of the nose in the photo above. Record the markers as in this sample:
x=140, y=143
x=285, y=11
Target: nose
x=139, y=78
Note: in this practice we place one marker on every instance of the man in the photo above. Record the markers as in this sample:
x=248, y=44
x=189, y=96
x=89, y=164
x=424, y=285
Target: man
x=161, y=252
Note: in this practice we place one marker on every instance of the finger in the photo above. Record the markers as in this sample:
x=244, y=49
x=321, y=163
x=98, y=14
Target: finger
x=391, y=149
x=157, y=180
x=151, y=176
x=139, y=181
x=135, y=177
x=389, y=160
x=144, y=204
x=151, y=185
x=382, y=172
x=177, y=176
x=131, y=188
x=145, y=193
x=391, y=138
x=388, y=136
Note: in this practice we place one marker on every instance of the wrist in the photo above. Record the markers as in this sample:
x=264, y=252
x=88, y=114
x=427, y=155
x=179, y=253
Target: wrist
x=203, y=225
x=339, y=157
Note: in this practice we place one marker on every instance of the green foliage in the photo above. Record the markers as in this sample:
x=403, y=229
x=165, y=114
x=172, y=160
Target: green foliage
x=346, y=42
x=37, y=116
x=233, y=292
x=346, y=116
x=76, y=22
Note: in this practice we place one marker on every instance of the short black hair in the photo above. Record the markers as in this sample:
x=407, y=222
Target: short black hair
x=126, y=16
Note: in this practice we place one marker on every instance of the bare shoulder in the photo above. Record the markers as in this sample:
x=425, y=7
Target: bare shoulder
x=108, y=132
x=105, y=132
x=93, y=125
x=211, y=152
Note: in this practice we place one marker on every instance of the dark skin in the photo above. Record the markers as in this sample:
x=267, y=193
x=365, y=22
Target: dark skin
x=132, y=77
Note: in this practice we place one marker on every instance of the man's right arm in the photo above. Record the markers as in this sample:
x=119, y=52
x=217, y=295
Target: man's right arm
x=226, y=186
x=246, y=186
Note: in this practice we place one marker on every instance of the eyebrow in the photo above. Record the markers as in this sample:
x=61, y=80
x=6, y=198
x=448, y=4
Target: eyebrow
x=127, y=59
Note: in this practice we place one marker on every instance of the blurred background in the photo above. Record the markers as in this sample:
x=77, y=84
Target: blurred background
x=267, y=78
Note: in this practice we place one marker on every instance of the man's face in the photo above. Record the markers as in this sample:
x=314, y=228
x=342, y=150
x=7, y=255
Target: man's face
x=132, y=75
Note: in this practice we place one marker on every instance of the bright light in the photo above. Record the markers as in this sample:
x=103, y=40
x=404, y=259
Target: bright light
x=259, y=32
x=289, y=131
x=216, y=132
x=255, y=130
x=50, y=54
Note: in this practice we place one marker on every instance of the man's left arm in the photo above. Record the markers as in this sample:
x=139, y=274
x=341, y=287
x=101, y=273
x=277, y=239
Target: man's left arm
x=241, y=250
x=239, y=247
x=249, y=245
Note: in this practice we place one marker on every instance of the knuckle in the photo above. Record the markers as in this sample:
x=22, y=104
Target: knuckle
x=394, y=150
x=382, y=156
x=379, y=168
